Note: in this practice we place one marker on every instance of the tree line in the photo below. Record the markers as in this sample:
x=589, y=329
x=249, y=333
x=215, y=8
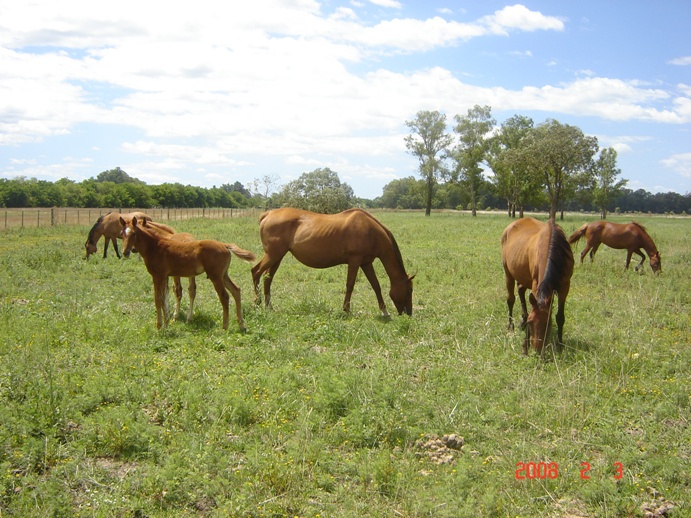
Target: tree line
x=321, y=190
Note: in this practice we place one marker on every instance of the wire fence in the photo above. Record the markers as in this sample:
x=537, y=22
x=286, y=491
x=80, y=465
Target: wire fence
x=50, y=217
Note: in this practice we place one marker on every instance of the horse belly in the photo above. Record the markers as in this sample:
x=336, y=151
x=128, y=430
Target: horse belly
x=316, y=256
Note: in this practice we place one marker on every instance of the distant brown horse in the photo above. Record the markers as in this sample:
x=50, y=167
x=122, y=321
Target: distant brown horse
x=166, y=257
x=169, y=232
x=109, y=226
x=353, y=237
x=537, y=257
x=629, y=236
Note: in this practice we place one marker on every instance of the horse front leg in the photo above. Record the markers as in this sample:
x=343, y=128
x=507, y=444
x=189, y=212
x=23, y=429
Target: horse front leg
x=560, y=318
x=374, y=282
x=192, y=292
x=640, y=265
x=628, y=259
x=161, y=301
x=105, y=247
x=350, y=285
x=524, y=307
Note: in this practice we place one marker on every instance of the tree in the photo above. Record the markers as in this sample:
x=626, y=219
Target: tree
x=318, y=191
x=561, y=157
x=116, y=175
x=507, y=160
x=471, y=151
x=605, y=188
x=428, y=140
x=404, y=193
x=264, y=186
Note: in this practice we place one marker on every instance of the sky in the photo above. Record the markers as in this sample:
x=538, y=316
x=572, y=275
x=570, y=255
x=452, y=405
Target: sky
x=208, y=92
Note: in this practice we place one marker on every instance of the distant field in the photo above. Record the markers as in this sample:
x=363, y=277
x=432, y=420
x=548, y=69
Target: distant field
x=313, y=413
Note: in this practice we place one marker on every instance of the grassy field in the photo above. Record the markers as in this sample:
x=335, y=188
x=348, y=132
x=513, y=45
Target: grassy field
x=313, y=413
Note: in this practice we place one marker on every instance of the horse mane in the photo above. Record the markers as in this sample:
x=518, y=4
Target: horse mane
x=639, y=226
x=558, y=258
x=396, y=250
x=90, y=239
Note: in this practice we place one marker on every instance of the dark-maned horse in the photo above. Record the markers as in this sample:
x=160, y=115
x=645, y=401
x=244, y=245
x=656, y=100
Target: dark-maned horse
x=165, y=257
x=169, y=232
x=629, y=236
x=109, y=226
x=537, y=257
x=353, y=237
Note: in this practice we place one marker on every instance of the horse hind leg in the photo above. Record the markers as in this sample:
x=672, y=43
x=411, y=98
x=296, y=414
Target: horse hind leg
x=268, y=268
x=115, y=245
x=219, y=285
x=510, y=300
x=235, y=292
x=177, y=289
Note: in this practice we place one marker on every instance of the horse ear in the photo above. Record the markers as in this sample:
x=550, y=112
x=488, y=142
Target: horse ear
x=122, y=222
x=532, y=299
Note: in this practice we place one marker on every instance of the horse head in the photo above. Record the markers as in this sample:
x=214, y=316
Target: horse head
x=538, y=322
x=129, y=235
x=90, y=248
x=656, y=262
x=401, y=294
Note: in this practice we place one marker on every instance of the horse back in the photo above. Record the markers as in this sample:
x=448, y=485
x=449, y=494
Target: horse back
x=519, y=245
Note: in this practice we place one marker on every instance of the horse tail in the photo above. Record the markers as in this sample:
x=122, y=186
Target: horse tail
x=559, y=258
x=243, y=254
x=263, y=215
x=573, y=238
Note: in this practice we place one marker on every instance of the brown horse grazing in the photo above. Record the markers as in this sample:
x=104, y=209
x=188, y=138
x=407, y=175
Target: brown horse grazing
x=630, y=236
x=170, y=233
x=537, y=257
x=166, y=257
x=353, y=237
x=109, y=226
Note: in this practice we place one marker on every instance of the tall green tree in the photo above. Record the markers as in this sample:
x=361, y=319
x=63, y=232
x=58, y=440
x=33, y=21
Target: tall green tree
x=561, y=157
x=428, y=142
x=318, y=191
x=606, y=187
x=506, y=158
x=473, y=132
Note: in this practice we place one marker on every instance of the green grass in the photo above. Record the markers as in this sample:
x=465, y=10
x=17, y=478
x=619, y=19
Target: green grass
x=315, y=413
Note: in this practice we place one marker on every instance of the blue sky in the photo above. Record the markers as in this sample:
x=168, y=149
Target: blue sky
x=211, y=92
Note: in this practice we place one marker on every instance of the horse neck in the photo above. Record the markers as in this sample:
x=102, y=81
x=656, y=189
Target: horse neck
x=648, y=244
x=95, y=234
x=146, y=242
x=393, y=264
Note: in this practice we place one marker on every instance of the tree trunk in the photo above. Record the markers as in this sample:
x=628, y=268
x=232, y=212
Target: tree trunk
x=428, y=209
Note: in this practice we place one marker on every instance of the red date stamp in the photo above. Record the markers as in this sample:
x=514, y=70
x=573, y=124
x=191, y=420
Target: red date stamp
x=545, y=470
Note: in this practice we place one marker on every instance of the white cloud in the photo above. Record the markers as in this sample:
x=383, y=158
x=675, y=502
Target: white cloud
x=681, y=163
x=682, y=61
x=387, y=3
